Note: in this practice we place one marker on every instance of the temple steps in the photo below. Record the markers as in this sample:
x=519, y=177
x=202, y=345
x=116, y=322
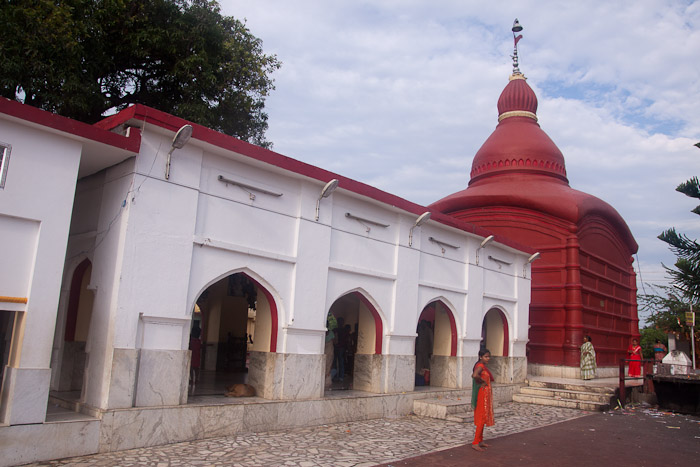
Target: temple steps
x=453, y=410
x=573, y=396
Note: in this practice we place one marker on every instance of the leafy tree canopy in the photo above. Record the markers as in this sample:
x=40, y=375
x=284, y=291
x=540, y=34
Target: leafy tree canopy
x=648, y=338
x=83, y=58
x=686, y=275
x=665, y=309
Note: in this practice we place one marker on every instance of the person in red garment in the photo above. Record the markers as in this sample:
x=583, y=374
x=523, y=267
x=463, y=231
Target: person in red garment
x=482, y=399
x=635, y=353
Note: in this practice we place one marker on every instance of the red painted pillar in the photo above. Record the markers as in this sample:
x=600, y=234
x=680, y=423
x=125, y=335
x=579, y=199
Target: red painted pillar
x=573, y=327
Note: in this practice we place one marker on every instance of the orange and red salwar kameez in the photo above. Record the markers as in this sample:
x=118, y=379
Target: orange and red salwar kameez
x=483, y=405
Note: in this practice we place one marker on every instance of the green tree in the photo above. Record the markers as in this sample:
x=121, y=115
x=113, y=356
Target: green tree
x=85, y=58
x=648, y=336
x=665, y=309
x=686, y=275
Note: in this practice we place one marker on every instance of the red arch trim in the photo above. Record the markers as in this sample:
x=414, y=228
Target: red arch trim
x=378, y=327
x=453, y=325
x=453, y=333
x=74, y=300
x=506, y=338
x=273, y=314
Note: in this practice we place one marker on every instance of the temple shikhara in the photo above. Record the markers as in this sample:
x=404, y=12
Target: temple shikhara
x=584, y=282
x=149, y=264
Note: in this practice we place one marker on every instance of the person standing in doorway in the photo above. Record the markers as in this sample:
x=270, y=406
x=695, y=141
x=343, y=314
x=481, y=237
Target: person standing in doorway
x=342, y=339
x=331, y=326
x=635, y=354
x=588, y=364
x=482, y=399
x=196, y=348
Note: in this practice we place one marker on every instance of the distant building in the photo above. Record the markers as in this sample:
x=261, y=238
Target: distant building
x=584, y=282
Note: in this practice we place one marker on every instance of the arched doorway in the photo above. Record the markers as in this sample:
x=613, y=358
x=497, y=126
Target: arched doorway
x=494, y=333
x=232, y=317
x=354, y=328
x=436, y=336
x=78, y=316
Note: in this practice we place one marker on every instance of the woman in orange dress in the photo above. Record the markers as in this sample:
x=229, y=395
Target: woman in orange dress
x=635, y=366
x=482, y=399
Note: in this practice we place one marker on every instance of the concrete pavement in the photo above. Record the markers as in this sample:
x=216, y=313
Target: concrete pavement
x=525, y=435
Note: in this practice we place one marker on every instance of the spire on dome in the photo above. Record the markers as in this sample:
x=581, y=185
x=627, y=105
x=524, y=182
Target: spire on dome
x=516, y=28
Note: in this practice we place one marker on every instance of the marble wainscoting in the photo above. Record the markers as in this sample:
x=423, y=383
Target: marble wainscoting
x=123, y=378
x=72, y=366
x=384, y=374
x=451, y=372
x=162, y=377
x=280, y=376
x=508, y=369
x=22, y=444
x=568, y=372
x=152, y=426
x=25, y=392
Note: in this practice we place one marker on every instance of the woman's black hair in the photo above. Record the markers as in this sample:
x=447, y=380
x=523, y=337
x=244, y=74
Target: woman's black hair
x=589, y=338
x=658, y=340
x=482, y=352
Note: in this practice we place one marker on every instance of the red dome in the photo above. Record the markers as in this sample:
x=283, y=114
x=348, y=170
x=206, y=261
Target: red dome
x=517, y=96
x=518, y=144
x=520, y=166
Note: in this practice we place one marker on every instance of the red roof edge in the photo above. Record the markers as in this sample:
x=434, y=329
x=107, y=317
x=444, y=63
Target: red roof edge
x=215, y=138
x=16, y=109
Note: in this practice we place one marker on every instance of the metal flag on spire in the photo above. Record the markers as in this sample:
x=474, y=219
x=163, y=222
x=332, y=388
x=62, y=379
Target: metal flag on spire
x=516, y=28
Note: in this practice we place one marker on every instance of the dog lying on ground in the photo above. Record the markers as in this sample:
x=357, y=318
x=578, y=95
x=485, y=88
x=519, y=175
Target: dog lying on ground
x=240, y=390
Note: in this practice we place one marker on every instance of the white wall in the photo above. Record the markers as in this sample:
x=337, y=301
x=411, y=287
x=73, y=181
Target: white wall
x=35, y=207
x=157, y=245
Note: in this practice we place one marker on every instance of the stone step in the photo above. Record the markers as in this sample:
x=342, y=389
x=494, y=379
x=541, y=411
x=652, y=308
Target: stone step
x=572, y=387
x=467, y=417
x=568, y=403
x=66, y=404
x=442, y=407
x=568, y=394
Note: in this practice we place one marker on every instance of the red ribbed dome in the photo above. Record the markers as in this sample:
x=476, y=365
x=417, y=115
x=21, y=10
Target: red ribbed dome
x=517, y=96
x=518, y=144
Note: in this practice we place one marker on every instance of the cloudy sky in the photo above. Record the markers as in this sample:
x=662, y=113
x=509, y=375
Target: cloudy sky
x=401, y=95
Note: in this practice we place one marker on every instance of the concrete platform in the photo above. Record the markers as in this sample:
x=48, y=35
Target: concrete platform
x=595, y=395
x=204, y=417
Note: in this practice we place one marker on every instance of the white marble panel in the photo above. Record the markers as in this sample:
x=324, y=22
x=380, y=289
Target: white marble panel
x=508, y=369
x=25, y=395
x=160, y=375
x=398, y=372
x=536, y=369
x=443, y=371
x=221, y=420
x=44, y=441
x=72, y=366
x=281, y=376
x=302, y=413
x=123, y=378
x=128, y=429
x=366, y=373
x=384, y=374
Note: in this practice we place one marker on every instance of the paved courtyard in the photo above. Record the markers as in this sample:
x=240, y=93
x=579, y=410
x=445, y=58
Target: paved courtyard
x=358, y=444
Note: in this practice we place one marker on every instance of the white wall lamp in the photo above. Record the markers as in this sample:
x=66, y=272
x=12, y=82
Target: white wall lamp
x=325, y=193
x=181, y=138
x=530, y=260
x=485, y=242
x=422, y=219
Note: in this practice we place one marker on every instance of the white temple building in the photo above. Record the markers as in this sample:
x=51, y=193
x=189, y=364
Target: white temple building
x=116, y=242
